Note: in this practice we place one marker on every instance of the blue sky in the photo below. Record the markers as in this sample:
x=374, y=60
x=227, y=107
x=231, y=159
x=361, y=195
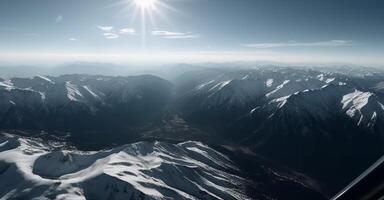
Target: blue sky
x=279, y=30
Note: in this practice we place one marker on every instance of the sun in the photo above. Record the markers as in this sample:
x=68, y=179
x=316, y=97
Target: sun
x=146, y=4
x=146, y=14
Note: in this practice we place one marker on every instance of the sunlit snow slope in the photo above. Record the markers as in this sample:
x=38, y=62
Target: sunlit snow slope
x=32, y=169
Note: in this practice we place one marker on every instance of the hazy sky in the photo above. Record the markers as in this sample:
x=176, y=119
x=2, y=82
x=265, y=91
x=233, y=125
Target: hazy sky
x=279, y=30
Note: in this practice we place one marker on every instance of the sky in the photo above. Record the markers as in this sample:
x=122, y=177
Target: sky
x=313, y=31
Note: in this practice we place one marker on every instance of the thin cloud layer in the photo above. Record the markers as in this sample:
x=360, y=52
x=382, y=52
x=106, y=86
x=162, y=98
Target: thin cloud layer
x=174, y=35
x=109, y=32
x=127, y=31
x=330, y=43
x=105, y=28
x=110, y=35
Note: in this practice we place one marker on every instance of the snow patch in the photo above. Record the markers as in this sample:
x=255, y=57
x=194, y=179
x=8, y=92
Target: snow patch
x=269, y=82
x=87, y=88
x=220, y=85
x=8, y=85
x=201, y=86
x=281, y=101
x=355, y=102
x=46, y=79
x=321, y=77
x=329, y=80
x=73, y=92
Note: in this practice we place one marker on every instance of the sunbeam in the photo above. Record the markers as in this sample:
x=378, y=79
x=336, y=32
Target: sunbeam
x=146, y=4
x=147, y=13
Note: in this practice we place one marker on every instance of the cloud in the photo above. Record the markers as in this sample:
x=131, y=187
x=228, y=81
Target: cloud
x=167, y=33
x=105, y=28
x=191, y=36
x=109, y=32
x=73, y=39
x=110, y=35
x=175, y=35
x=59, y=18
x=330, y=43
x=127, y=31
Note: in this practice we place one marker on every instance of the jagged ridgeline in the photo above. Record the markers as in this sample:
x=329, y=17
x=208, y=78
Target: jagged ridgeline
x=81, y=102
x=302, y=117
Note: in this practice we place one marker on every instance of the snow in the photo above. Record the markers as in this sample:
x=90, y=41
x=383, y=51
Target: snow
x=73, y=92
x=365, y=107
x=277, y=88
x=91, y=92
x=228, y=93
x=156, y=170
x=381, y=106
x=7, y=85
x=201, y=86
x=329, y=80
x=39, y=97
x=220, y=85
x=289, y=87
x=197, y=150
x=374, y=116
x=321, y=77
x=3, y=143
x=42, y=95
x=362, y=107
x=46, y=79
x=269, y=82
x=355, y=102
x=281, y=101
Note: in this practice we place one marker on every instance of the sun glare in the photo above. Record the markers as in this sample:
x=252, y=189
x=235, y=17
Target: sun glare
x=146, y=4
x=148, y=13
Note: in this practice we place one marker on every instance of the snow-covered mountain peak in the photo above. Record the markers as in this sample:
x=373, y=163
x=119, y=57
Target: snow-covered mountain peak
x=150, y=170
x=356, y=100
x=363, y=106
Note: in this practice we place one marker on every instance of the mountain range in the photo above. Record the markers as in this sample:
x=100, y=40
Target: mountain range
x=324, y=122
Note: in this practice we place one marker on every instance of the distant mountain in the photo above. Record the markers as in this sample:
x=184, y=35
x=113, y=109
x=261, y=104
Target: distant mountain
x=89, y=68
x=98, y=102
x=245, y=91
x=168, y=72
